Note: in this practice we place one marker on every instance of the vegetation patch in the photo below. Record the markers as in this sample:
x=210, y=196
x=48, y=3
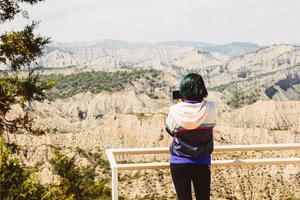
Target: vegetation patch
x=239, y=99
x=96, y=82
x=76, y=183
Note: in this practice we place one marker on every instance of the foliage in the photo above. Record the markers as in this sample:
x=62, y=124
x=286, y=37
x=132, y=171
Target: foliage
x=95, y=82
x=76, y=183
x=19, y=50
x=15, y=182
x=19, y=183
x=9, y=8
x=241, y=98
x=20, y=85
x=292, y=198
x=19, y=90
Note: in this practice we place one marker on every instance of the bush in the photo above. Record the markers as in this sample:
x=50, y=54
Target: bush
x=240, y=99
x=16, y=182
x=76, y=183
x=19, y=183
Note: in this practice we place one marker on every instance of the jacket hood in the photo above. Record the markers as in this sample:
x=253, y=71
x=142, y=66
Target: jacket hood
x=191, y=115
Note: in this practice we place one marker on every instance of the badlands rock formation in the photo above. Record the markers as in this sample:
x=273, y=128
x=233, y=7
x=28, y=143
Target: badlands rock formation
x=150, y=56
x=271, y=58
x=106, y=54
x=86, y=124
x=284, y=89
x=256, y=69
x=262, y=64
x=127, y=119
x=234, y=49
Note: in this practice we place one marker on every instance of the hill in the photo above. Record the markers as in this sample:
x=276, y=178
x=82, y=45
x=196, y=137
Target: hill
x=233, y=49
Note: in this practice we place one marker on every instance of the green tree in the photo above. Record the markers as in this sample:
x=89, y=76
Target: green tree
x=19, y=51
x=16, y=182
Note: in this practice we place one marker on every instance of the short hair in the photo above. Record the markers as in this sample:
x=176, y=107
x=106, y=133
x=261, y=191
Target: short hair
x=192, y=87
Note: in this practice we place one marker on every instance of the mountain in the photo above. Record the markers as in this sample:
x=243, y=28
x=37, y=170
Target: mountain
x=267, y=59
x=231, y=49
x=256, y=70
x=198, y=45
x=104, y=44
x=85, y=124
x=110, y=54
x=234, y=49
x=107, y=54
x=262, y=67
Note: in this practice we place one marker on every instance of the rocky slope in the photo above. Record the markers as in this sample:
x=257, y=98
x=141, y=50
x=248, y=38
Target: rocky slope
x=271, y=70
x=267, y=59
x=260, y=63
x=284, y=89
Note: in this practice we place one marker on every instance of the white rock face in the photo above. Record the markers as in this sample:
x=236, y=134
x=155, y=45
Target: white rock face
x=261, y=68
x=86, y=110
x=160, y=56
x=151, y=56
x=268, y=59
x=262, y=122
x=197, y=59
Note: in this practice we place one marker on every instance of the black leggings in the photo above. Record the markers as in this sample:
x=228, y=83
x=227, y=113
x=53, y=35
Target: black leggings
x=185, y=173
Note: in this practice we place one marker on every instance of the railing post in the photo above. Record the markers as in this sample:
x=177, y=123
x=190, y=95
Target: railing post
x=114, y=183
x=114, y=174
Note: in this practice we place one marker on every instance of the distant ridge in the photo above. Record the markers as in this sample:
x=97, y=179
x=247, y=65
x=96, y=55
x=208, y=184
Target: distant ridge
x=195, y=44
x=105, y=44
x=233, y=49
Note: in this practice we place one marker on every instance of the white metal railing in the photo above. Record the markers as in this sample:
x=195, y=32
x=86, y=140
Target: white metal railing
x=115, y=167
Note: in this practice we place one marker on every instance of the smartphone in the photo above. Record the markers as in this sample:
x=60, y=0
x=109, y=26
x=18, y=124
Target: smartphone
x=176, y=94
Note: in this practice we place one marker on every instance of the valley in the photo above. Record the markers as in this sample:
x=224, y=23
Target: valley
x=115, y=94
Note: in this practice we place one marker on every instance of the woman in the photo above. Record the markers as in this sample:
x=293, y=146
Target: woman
x=191, y=123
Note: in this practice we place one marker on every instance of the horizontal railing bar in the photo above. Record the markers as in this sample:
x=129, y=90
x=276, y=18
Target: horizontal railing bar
x=257, y=147
x=216, y=163
x=147, y=150
x=223, y=148
x=262, y=161
x=139, y=166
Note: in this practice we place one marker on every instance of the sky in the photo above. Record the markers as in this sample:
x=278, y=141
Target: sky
x=264, y=22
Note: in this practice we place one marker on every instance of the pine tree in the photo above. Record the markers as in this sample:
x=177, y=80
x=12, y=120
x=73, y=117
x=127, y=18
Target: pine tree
x=18, y=51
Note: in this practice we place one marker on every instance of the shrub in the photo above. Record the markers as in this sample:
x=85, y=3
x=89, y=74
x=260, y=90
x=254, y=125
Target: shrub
x=76, y=183
x=15, y=181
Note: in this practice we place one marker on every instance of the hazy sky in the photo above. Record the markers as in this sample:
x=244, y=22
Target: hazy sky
x=215, y=21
